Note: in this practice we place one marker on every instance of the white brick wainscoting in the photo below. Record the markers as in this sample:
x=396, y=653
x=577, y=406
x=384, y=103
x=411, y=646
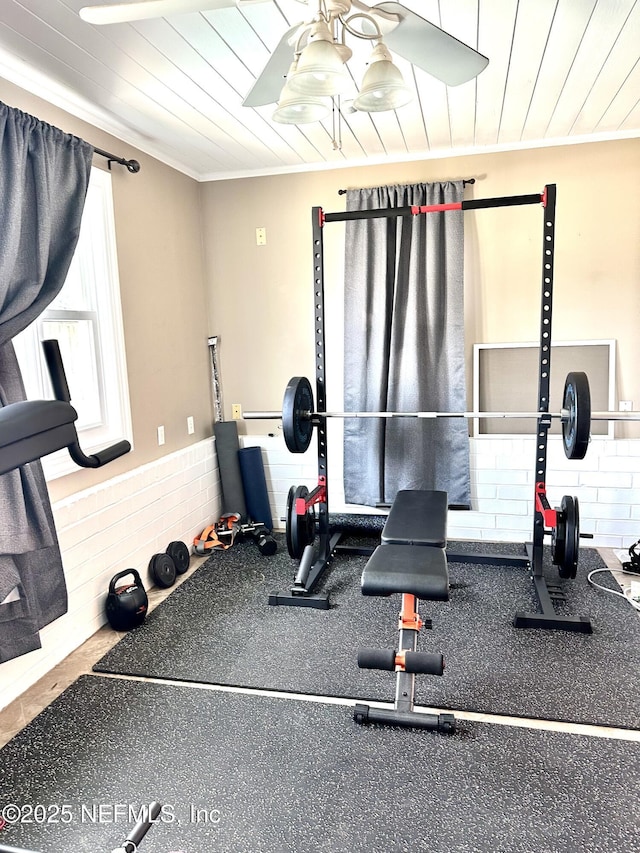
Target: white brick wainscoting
x=118, y=524
x=606, y=483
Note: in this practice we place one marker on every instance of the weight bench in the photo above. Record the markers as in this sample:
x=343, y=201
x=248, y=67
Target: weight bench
x=410, y=561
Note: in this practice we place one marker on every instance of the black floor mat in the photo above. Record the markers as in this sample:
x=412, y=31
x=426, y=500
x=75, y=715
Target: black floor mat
x=253, y=774
x=218, y=628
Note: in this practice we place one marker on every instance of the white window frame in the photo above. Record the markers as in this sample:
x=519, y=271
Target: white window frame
x=609, y=343
x=97, y=258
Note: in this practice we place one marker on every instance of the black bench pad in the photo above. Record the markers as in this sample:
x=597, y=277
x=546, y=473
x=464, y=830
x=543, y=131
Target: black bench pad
x=417, y=518
x=421, y=572
x=30, y=429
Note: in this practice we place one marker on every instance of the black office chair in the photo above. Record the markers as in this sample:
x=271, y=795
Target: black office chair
x=32, y=429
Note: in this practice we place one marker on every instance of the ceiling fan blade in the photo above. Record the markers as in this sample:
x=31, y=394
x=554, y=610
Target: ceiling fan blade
x=117, y=13
x=430, y=48
x=267, y=88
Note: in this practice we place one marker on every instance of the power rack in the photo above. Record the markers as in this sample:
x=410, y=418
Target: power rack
x=316, y=558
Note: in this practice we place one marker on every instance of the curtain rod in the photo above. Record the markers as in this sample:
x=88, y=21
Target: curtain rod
x=464, y=183
x=132, y=165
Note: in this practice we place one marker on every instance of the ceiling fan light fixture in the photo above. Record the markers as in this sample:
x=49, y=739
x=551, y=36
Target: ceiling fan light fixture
x=383, y=87
x=320, y=70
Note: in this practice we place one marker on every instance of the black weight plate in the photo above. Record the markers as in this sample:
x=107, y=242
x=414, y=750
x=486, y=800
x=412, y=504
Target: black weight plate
x=297, y=426
x=296, y=524
x=163, y=570
x=179, y=553
x=289, y=522
x=577, y=401
x=558, y=539
x=571, y=513
x=300, y=528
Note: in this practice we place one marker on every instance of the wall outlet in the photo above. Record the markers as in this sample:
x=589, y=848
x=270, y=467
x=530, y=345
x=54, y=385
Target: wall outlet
x=160, y=435
x=261, y=236
x=190, y=426
x=625, y=406
x=236, y=411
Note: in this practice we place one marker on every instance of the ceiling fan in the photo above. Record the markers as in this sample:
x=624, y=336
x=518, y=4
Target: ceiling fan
x=407, y=34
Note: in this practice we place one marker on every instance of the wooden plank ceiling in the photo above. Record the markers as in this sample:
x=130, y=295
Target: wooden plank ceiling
x=558, y=70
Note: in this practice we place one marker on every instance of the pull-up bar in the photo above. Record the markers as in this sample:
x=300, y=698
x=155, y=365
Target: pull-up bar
x=415, y=210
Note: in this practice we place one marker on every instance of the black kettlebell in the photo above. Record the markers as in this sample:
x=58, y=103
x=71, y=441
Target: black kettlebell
x=126, y=605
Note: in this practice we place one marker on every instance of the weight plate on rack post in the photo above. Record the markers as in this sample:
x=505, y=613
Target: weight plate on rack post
x=289, y=520
x=577, y=428
x=558, y=539
x=297, y=405
x=566, y=538
x=301, y=529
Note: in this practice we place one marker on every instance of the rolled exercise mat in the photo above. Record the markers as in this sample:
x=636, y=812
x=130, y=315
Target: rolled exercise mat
x=255, y=485
x=227, y=446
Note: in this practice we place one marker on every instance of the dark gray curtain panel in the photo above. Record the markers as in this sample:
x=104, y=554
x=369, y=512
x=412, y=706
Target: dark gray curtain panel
x=44, y=175
x=404, y=346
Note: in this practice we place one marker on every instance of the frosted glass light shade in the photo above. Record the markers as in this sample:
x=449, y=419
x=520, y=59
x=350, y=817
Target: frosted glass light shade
x=382, y=85
x=320, y=70
x=294, y=108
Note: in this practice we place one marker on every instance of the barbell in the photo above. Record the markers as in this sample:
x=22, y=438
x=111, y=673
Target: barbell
x=299, y=418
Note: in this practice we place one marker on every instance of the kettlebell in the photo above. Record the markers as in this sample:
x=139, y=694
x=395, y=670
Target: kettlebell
x=126, y=605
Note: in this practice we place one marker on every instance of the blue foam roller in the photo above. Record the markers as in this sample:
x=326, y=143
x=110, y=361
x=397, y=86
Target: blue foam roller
x=255, y=486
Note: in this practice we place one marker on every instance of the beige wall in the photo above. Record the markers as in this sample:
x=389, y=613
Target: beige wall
x=261, y=296
x=160, y=260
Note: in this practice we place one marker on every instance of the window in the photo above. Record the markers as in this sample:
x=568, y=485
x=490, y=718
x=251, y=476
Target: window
x=86, y=319
x=505, y=379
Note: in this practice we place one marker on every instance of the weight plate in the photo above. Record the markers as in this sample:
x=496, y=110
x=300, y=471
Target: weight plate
x=297, y=426
x=301, y=529
x=163, y=570
x=289, y=520
x=569, y=509
x=565, y=541
x=179, y=553
x=558, y=539
x=576, y=429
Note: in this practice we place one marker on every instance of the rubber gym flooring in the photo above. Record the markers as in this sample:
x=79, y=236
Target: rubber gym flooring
x=217, y=628
x=246, y=774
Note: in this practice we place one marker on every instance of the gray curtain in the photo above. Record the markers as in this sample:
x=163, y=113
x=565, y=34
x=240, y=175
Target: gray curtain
x=44, y=174
x=404, y=346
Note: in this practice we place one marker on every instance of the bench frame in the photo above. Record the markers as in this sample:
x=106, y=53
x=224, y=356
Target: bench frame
x=417, y=524
x=403, y=712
